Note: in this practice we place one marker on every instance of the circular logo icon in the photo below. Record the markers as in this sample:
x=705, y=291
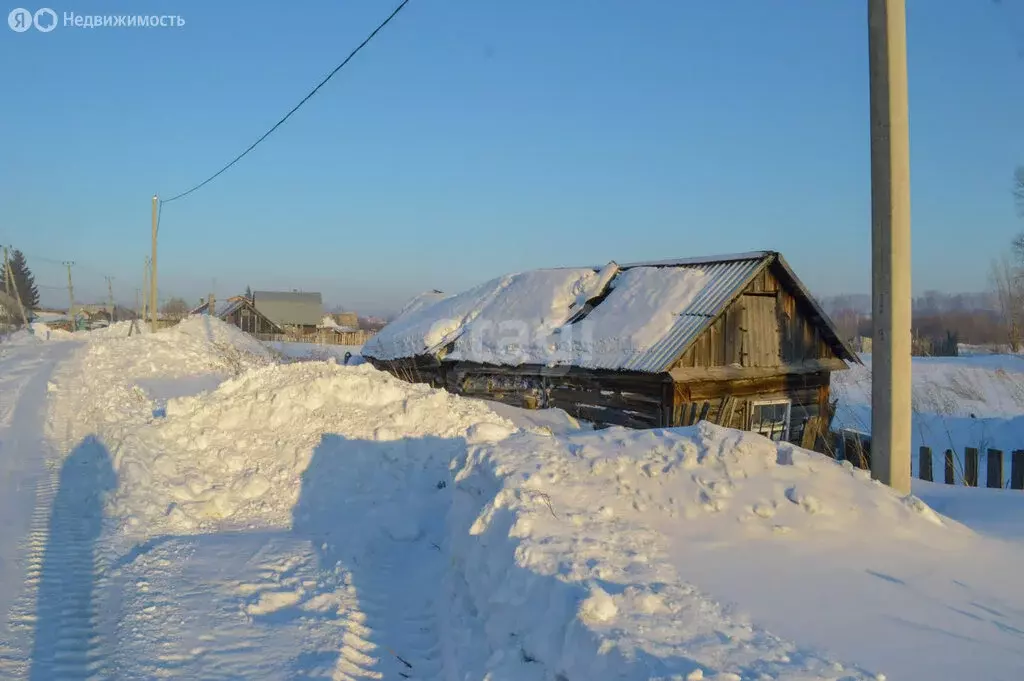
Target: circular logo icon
x=20, y=20
x=45, y=20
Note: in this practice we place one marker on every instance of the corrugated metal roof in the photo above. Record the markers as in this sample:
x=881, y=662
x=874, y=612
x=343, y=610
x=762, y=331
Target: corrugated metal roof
x=704, y=260
x=725, y=280
x=289, y=308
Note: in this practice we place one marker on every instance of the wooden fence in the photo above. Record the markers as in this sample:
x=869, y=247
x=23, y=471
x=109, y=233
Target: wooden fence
x=332, y=338
x=856, y=448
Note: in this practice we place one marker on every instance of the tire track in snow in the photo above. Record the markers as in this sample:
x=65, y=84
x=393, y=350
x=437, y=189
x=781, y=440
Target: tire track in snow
x=22, y=617
x=29, y=474
x=65, y=575
x=53, y=620
x=394, y=633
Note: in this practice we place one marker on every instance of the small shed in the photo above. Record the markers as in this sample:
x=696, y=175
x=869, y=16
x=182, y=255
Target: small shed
x=290, y=310
x=735, y=339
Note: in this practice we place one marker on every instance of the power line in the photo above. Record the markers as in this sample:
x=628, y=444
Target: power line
x=294, y=109
x=36, y=258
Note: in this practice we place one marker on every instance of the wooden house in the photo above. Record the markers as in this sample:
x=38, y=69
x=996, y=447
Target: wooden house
x=239, y=311
x=736, y=340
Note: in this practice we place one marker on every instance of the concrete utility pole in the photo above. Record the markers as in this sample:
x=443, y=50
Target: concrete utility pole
x=152, y=279
x=110, y=299
x=71, y=296
x=890, y=244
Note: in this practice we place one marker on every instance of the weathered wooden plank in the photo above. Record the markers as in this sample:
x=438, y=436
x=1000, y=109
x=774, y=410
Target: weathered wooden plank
x=733, y=373
x=1017, y=470
x=924, y=463
x=782, y=385
x=971, y=466
x=611, y=417
x=994, y=469
x=612, y=399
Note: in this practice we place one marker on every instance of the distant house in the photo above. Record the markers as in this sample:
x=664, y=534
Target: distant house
x=346, y=320
x=736, y=340
x=330, y=331
x=291, y=310
x=240, y=312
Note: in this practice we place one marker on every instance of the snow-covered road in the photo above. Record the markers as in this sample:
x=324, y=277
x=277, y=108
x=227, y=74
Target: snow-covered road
x=28, y=484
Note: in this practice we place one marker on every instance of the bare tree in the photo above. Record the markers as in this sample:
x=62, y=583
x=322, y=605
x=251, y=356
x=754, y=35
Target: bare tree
x=1008, y=282
x=1018, y=192
x=175, y=308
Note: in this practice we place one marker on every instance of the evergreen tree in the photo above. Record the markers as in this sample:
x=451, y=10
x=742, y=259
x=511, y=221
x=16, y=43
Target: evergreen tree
x=24, y=282
x=248, y=294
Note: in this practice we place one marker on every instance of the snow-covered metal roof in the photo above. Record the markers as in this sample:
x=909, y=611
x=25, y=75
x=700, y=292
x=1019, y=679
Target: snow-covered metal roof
x=642, y=317
x=724, y=280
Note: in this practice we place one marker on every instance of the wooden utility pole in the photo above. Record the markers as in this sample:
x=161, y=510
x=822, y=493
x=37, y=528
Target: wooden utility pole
x=890, y=244
x=110, y=299
x=12, y=282
x=152, y=277
x=145, y=292
x=71, y=296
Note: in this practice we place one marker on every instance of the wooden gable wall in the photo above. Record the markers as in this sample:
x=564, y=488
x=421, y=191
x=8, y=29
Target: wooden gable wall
x=767, y=326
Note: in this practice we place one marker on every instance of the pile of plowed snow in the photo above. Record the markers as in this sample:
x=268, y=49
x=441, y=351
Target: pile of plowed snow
x=101, y=390
x=606, y=555
x=235, y=456
x=196, y=345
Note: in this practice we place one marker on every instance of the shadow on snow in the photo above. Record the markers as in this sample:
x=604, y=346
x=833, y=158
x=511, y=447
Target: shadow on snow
x=65, y=605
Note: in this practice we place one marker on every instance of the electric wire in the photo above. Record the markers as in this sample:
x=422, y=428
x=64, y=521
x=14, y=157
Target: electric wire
x=289, y=114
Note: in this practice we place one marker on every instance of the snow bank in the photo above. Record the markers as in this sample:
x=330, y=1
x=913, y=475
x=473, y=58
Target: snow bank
x=618, y=554
x=44, y=332
x=105, y=392
x=235, y=457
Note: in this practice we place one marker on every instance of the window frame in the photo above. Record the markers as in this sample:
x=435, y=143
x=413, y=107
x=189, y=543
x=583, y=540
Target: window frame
x=754, y=404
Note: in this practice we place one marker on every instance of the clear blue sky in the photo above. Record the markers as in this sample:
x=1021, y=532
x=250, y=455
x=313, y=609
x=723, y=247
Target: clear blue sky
x=477, y=137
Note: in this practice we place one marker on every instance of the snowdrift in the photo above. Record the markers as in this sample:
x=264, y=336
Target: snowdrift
x=621, y=554
x=235, y=456
x=562, y=546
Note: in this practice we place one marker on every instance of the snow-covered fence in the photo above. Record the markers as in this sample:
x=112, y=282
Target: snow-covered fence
x=956, y=469
x=968, y=471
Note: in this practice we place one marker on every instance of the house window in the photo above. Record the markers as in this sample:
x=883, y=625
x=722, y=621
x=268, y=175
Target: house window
x=771, y=419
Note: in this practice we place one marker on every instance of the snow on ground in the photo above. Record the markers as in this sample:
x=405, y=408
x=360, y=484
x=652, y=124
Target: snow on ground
x=661, y=553
x=291, y=351
x=178, y=505
x=958, y=402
